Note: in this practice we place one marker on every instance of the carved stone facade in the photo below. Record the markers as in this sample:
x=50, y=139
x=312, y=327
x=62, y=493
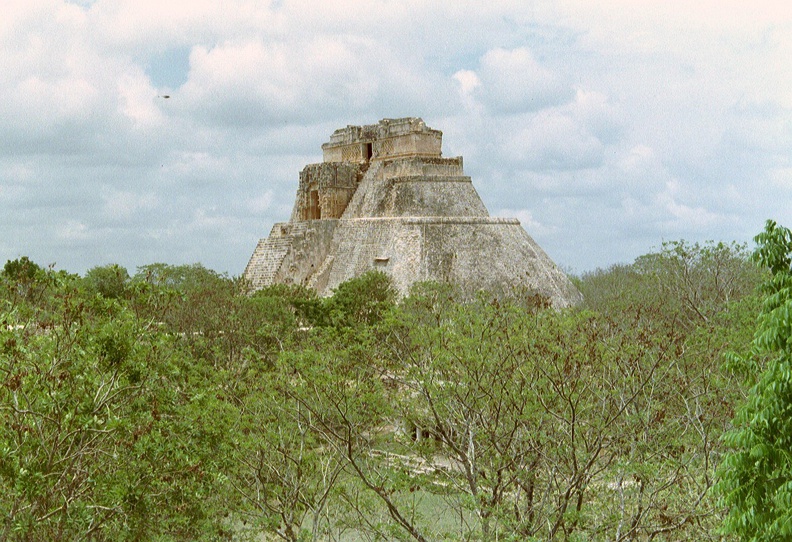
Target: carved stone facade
x=391, y=138
x=385, y=198
x=325, y=190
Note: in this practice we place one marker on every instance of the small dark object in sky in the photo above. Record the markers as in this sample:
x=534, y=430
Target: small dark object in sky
x=166, y=96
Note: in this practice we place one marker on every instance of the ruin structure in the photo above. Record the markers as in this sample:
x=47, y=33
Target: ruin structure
x=385, y=198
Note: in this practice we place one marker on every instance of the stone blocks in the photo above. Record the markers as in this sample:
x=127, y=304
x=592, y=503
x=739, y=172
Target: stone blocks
x=385, y=198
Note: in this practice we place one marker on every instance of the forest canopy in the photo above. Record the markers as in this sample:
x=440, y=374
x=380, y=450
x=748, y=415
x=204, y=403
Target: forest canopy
x=173, y=404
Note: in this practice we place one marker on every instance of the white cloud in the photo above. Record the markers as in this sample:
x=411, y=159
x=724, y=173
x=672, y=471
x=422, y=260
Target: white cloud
x=197, y=164
x=146, y=26
x=640, y=172
x=527, y=220
x=208, y=219
x=260, y=82
x=599, y=116
x=468, y=81
x=260, y=203
x=74, y=230
x=137, y=100
x=782, y=178
x=123, y=205
x=512, y=81
x=614, y=124
x=551, y=140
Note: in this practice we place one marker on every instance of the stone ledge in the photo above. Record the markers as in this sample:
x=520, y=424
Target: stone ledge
x=416, y=220
x=431, y=179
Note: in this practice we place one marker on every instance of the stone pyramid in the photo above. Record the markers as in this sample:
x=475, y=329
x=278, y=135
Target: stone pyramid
x=385, y=198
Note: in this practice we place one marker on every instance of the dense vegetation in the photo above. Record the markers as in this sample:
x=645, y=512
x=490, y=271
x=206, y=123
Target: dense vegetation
x=172, y=405
x=756, y=473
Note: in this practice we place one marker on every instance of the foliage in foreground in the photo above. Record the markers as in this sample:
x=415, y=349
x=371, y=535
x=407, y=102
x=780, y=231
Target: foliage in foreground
x=170, y=405
x=756, y=475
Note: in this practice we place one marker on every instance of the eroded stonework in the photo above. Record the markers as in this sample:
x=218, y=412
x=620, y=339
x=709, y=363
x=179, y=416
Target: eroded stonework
x=325, y=190
x=385, y=198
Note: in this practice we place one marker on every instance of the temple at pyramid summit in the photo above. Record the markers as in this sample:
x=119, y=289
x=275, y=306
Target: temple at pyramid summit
x=385, y=198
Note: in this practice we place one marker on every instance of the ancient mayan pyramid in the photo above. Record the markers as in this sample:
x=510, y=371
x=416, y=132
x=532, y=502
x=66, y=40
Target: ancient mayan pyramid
x=385, y=198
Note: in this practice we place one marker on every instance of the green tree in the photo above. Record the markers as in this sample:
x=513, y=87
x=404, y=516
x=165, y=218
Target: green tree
x=186, y=298
x=108, y=431
x=340, y=396
x=283, y=474
x=362, y=301
x=108, y=281
x=681, y=284
x=755, y=477
x=21, y=270
x=174, y=405
x=559, y=424
x=23, y=280
x=483, y=419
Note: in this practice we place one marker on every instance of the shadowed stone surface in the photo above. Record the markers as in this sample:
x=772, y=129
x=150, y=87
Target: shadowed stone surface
x=384, y=198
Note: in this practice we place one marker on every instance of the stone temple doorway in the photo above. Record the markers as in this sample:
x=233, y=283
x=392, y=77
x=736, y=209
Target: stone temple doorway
x=314, y=211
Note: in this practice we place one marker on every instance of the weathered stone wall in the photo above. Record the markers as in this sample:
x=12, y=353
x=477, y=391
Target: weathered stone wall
x=406, y=145
x=268, y=257
x=415, y=187
x=426, y=195
x=370, y=191
x=325, y=190
x=311, y=242
x=353, y=152
x=491, y=254
x=367, y=243
x=390, y=138
x=291, y=254
x=476, y=253
x=423, y=166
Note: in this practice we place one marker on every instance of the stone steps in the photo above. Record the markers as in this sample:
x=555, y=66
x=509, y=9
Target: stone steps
x=267, y=260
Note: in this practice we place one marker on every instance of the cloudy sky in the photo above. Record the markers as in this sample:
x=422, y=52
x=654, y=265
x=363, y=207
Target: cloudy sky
x=606, y=127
